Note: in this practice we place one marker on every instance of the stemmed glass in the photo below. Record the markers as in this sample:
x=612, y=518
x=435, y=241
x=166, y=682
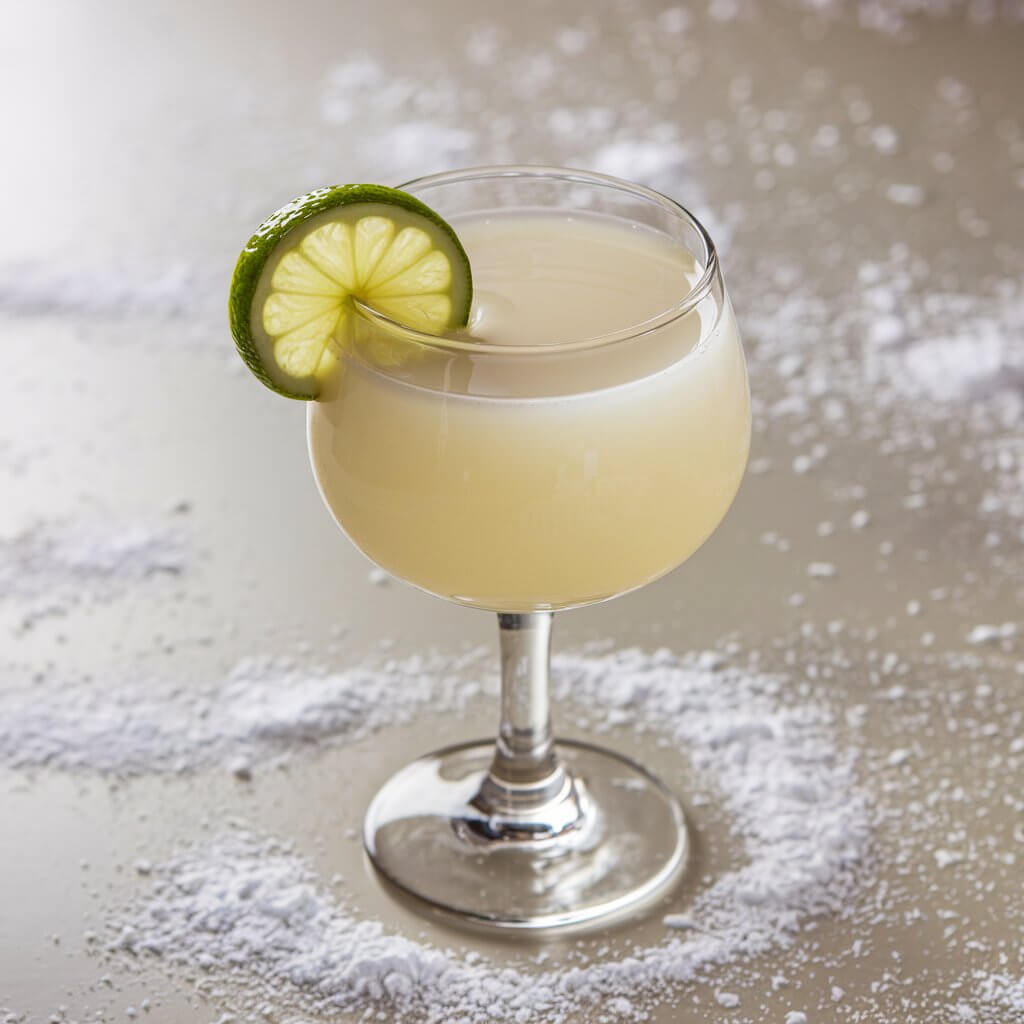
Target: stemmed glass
x=523, y=479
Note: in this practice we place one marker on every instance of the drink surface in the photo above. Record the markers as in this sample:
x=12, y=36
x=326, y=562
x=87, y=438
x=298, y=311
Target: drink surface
x=519, y=482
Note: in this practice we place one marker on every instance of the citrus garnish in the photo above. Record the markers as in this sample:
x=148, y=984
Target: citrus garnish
x=291, y=305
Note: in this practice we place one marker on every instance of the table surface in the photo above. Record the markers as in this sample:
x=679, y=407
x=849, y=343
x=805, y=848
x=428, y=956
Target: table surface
x=862, y=168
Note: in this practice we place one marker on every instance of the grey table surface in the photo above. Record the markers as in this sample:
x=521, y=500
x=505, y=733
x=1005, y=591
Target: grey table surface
x=827, y=144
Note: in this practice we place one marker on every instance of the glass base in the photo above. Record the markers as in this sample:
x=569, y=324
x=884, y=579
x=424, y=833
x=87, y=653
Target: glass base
x=610, y=840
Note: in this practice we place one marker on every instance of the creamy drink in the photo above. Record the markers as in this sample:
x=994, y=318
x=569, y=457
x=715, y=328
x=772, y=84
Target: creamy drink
x=505, y=482
x=526, y=392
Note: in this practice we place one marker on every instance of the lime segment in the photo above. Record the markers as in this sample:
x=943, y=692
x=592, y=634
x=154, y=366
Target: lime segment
x=291, y=295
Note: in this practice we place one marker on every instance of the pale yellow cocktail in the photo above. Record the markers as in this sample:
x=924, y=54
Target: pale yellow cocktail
x=526, y=392
x=517, y=482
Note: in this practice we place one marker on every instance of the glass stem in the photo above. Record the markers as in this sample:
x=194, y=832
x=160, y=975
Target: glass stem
x=525, y=749
x=527, y=792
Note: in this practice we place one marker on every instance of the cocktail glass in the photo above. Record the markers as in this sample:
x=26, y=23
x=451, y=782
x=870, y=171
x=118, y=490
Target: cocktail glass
x=523, y=479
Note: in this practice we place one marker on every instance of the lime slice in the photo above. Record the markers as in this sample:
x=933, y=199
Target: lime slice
x=291, y=305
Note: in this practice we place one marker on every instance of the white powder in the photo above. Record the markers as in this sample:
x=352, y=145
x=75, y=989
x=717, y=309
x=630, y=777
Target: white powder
x=947, y=858
x=932, y=350
x=991, y=990
x=266, y=707
x=252, y=909
x=950, y=368
x=985, y=634
x=821, y=570
x=572, y=41
x=168, y=291
x=405, y=144
x=905, y=194
x=1002, y=990
x=53, y=567
x=639, y=159
x=898, y=361
x=899, y=17
x=48, y=555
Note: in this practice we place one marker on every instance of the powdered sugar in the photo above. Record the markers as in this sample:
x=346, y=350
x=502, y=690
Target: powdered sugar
x=120, y=292
x=898, y=17
x=52, y=567
x=644, y=159
x=1003, y=991
x=989, y=993
x=251, y=908
x=264, y=708
x=937, y=350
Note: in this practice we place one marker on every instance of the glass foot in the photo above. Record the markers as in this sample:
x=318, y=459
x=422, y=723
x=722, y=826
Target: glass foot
x=608, y=840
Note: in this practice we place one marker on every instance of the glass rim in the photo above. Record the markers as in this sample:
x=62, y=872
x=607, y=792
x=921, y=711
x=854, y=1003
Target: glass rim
x=696, y=294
